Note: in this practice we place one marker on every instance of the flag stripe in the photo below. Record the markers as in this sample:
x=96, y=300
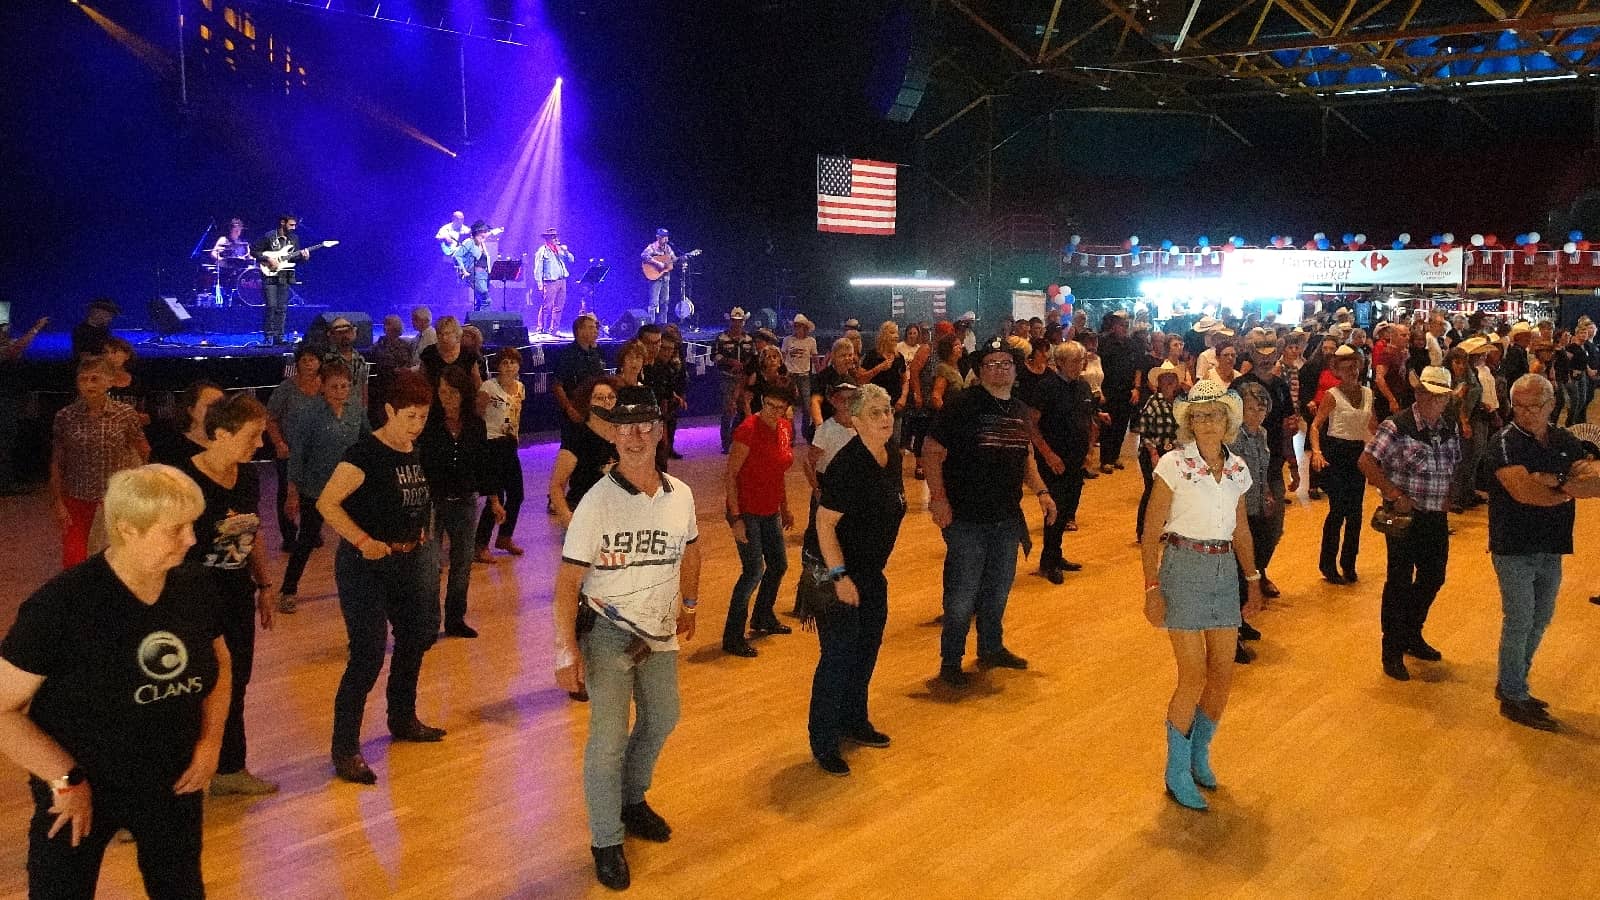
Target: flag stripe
x=863, y=202
x=850, y=229
x=856, y=196
x=845, y=212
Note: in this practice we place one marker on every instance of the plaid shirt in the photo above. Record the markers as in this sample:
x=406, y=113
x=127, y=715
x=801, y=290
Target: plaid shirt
x=1423, y=469
x=91, y=448
x=1158, y=428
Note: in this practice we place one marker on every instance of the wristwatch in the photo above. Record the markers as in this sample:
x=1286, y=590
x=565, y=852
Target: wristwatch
x=74, y=777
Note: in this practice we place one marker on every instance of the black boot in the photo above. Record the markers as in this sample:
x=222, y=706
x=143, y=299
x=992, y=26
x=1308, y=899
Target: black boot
x=611, y=867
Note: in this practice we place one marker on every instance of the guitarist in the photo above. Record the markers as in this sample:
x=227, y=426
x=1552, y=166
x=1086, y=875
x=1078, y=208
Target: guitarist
x=452, y=233
x=472, y=263
x=660, y=295
x=550, y=275
x=275, y=284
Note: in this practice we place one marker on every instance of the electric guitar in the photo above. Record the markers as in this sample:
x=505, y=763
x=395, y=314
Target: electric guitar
x=276, y=262
x=662, y=263
x=449, y=247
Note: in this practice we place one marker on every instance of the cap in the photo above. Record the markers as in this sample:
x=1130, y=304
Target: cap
x=1436, y=379
x=999, y=345
x=586, y=314
x=634, y=404
x=736, y=313
x=661, y=232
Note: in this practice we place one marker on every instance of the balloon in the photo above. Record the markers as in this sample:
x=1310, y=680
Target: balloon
x=1134, y=240
x=1166, y=246
x=1405, y=237
x=1569, y=247
x=1229, y=247
x=1128, y=245
x=1477, y=240
x=1311, y=245
x=1052, y=290
x=1398, y=245
x=1075, y=240
x=1491, y=240
x=1574, y=235
x=1531, y=250
x=1347, y=238
x=1449, y=237
x=1202, y=241
x=1066, y=291
x=1318, y=236
x=1520, y=239
x=1323, y=244
x=1583, y=245
x=1533, y=237
x=1361, y=238
x=1436, y=240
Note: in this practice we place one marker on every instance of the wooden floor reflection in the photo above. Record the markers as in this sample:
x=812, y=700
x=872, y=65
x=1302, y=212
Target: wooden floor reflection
x=1044, y=783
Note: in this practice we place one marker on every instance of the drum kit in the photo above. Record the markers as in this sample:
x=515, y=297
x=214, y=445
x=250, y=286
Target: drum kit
x=232, y=281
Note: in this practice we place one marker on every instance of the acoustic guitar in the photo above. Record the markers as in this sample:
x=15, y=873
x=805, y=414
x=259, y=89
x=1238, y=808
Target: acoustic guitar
x=660, y=264
x=276, y=262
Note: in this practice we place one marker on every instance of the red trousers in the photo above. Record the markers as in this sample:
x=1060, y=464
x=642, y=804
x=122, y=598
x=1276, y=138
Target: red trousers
x=75, y=539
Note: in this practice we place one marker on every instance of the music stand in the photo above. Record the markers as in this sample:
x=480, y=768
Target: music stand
x=504, y=270
x=589, y=282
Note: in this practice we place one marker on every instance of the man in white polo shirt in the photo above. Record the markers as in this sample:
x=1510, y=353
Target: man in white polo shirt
x=629, y=554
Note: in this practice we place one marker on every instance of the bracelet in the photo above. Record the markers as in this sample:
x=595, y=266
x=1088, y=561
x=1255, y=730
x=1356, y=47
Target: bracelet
x=1041, y=493
x=1253, y=577
x=1151, y=586
x=836, y=573
x=690, y=603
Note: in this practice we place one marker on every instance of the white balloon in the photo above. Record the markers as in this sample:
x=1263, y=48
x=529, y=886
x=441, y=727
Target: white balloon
x=1449, y=237
x=1319, y=236
x=1569, y=247
x=1076, y=239
x=1477, y=240
x=1361, y=239
x=1533, y=237
x=1405, y=237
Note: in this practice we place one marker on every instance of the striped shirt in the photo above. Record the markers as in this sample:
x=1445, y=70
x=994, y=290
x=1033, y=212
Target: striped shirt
x=633, y=546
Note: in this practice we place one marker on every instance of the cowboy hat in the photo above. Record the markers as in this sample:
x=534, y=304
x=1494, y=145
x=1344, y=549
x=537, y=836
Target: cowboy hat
x=548, y=232
x=1474, y=345
x=634, y=404
x=736, y=313
x=1205, y=324
x=800, y=319
x=1521, y=327
x=1166, y=368
x=1207, y=391
x=1435, y=380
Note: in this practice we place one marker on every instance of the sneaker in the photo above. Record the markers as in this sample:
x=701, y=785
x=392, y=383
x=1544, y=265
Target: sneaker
x=867, y=737
x=1528, y=714
x=1004, y=659
x=611, y=867
x=952, y=675
x=642, y=821
x=241, y=782
x=287, y=604
x=834, y=765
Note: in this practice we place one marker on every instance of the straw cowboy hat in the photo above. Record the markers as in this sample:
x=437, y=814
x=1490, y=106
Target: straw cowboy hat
x=1207, y=391
x=736, y=313
x=1435, y=380
x=1166, y=368
x=1521, y=327
x=1206, y=324
x=1474, y=345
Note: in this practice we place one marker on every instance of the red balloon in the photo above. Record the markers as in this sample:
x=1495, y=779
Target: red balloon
x=1583, y=245
x=1052, y=290
x=1227, y=247
x=1530, y=249
x=1446, y=248
x=1311, y=245
x=1127, y=244
x=1490, y=240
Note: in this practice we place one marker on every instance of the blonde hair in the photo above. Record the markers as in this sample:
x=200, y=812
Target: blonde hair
x=447, y=323
x=143, y=496
x=1186, y=436
x=888, y=333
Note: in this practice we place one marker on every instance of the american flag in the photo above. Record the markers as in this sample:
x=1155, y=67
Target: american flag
x=855, y=196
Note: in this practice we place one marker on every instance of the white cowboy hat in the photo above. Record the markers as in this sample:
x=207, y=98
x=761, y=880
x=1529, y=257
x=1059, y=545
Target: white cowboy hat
x=1166, y=368
x=800, y=319
x=1205, y=324
x=1207, y=391
x=1435, y=379
x=736, y=313
x=1474, y=345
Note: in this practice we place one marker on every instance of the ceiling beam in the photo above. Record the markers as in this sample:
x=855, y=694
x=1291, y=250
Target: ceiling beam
x=994, y=32
x=1078, y=38
x=1050, y=26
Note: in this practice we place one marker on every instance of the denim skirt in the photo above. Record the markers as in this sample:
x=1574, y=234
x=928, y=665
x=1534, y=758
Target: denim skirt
x=1202, y=589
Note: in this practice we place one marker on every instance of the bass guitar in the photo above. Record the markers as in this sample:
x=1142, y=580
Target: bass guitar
x=662, y=263
x=276, y=262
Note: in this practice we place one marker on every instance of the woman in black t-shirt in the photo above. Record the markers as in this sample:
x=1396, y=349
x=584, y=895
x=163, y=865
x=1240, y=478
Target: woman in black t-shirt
x=449, y=352
x=227, y=548
x=175, y=440
x=114, y=686
x=456, y=461
x=386, y=570
x=863, y=501
x=585, y=451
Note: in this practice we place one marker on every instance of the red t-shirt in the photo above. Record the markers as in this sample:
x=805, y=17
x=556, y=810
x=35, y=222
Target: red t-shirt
x=761, y=477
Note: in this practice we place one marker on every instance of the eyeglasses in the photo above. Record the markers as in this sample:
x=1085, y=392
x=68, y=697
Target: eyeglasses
x=1000, y=364
x=639, y=428
x=1213, y=416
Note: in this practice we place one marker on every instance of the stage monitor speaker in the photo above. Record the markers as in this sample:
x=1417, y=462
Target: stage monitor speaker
x=360, y=320
x=627, y=325
x=169, y=316
x=500, y=329
x=904, y=59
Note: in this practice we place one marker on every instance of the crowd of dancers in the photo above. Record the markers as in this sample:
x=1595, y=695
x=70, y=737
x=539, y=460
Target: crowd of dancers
x=123, y=681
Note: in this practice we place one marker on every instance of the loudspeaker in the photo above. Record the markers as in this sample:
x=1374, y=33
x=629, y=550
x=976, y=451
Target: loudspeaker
x=169, y=316
x=500, y=329
x=627, y=325
x=360, y=320
x=903, y=60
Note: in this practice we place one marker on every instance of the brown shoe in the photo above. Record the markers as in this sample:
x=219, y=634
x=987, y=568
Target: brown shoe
x=482, y=555
x=508, y=545
x=354, y=769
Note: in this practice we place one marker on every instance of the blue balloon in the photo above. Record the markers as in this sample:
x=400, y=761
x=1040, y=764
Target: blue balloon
x=1347, y=238
x=1238, y=242
x=1574, y=235
x=1166, y=245
x=1398, y=245
x=1202, y=241
x=1436, y=240
x=1323, y=244
x=1521, y=239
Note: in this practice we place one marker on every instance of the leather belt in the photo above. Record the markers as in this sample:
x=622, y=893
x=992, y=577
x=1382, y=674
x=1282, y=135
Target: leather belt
x=404, y=546
x=1213, y=547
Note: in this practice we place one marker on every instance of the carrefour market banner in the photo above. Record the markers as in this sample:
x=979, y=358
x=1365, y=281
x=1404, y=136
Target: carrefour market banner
x=1292, y=268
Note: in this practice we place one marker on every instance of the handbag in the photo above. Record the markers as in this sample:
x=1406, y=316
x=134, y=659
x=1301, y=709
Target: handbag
x=815, y=594
x=1389, y=521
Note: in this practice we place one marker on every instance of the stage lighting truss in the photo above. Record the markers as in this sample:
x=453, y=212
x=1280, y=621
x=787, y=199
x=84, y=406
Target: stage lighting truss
x=444, y=18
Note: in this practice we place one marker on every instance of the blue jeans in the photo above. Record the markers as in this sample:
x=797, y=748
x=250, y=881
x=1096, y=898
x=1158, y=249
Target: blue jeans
x=765, y=561
x=455, y=521
x=850, y=638
x=660, y=299
x=1528, y=586
x=980, y=562
x=400, y=590
x=618, y=765
x=480, y=288
x=1577, y=400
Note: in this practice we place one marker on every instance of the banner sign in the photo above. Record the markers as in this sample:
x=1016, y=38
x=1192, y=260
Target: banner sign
x=1292, y=268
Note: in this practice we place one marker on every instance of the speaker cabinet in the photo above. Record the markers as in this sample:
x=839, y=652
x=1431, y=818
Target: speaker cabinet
x=500, y=329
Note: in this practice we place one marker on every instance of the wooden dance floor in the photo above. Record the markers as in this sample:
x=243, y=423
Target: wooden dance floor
x=1047, y=783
